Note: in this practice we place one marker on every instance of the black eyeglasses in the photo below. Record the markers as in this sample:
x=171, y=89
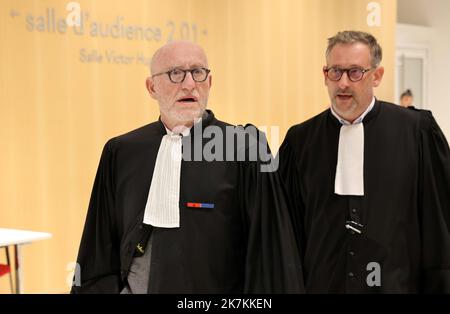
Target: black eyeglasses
x=353, y=74
x=178, y=75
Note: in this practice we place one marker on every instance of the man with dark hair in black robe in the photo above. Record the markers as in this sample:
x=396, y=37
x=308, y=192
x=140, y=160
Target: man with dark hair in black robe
x=181, y=206
x=369, y=184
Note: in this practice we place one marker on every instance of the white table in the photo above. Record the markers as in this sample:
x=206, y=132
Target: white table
x=16, y=238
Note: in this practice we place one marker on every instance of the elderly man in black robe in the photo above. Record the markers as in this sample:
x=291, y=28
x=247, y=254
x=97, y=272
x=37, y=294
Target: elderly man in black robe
x=172, y=212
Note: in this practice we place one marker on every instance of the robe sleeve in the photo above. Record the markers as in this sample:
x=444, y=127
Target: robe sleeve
x=98, y=256
x=434, y=206
x=288, y=161
x=272, y=261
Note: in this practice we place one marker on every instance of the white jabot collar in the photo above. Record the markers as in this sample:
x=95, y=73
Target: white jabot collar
x=349, y=178
x=163, y=203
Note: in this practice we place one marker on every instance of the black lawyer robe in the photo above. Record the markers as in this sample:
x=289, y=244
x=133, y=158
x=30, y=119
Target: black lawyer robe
x=245, y=244
x=405, y=210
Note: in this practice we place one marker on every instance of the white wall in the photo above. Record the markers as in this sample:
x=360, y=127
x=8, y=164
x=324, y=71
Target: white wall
x=414, y=42
x=435, y=15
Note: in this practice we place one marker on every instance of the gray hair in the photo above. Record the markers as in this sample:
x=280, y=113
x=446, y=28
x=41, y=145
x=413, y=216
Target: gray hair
x=352, y=37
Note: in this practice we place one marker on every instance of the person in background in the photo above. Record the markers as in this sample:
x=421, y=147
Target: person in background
x=407, y=99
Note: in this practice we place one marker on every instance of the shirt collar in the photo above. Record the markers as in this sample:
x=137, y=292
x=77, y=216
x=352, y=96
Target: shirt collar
x=185, y=132
x=359, y=119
